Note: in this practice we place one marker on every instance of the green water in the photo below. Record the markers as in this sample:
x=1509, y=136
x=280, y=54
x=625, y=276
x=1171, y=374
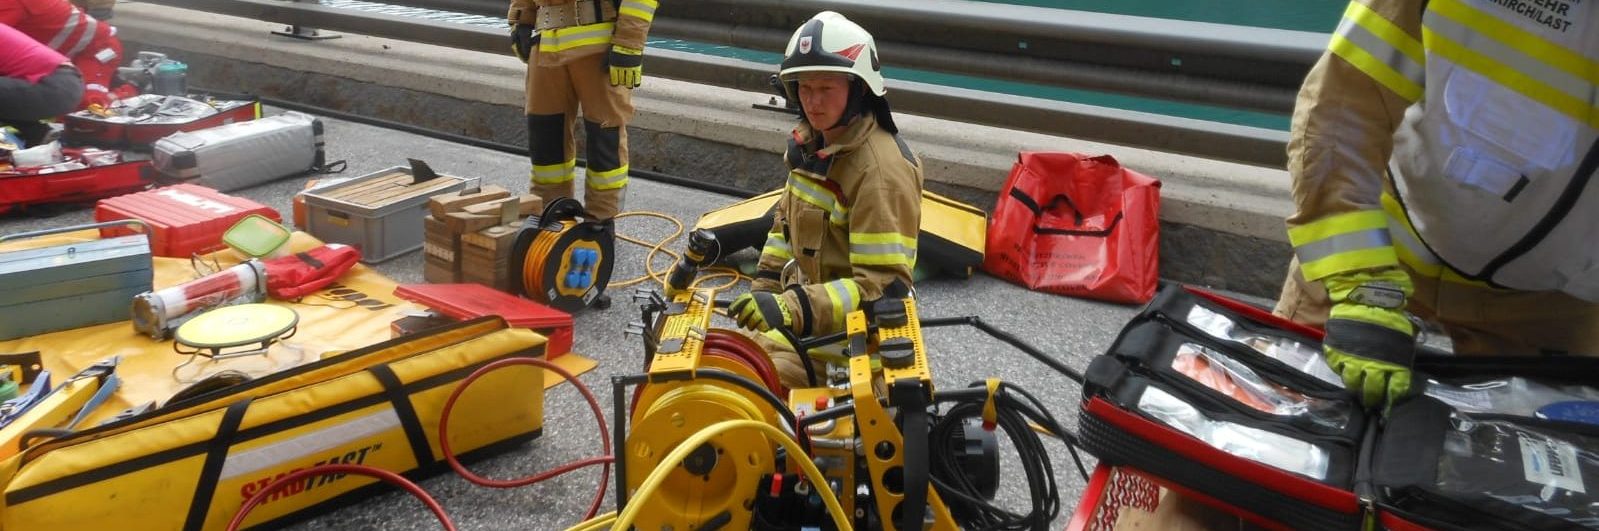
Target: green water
x=1302, y=15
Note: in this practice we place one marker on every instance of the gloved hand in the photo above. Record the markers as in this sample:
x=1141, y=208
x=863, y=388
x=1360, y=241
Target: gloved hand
x=627, y=66
x=523, y=39
x=1370, y=342
x=762, y=311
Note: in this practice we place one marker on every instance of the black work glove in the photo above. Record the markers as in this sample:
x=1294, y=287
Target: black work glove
x=523, y=39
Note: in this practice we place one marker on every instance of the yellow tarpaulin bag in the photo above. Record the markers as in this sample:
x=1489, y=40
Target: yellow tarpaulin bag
x=191, y=464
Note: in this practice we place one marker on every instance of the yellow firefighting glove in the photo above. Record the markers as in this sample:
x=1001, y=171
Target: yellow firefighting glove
x=762, y=311
x=523, y=39
x=1370, y=342
x=627, y=66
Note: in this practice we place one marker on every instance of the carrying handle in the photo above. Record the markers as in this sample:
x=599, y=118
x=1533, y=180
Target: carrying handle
x=1054, y=202
x=145, y=229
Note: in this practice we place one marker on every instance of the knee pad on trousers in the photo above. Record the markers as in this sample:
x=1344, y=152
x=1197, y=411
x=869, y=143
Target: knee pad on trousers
x=546, y=138
x=604, y=146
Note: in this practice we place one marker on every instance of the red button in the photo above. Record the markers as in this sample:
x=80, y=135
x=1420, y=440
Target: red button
x=777, y=485
x=822, y=401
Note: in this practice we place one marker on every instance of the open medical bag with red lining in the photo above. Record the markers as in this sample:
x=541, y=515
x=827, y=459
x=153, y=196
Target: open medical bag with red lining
x=1232, y=406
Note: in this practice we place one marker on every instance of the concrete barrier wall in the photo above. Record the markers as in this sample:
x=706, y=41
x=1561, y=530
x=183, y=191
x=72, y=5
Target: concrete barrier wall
x=1221, y=222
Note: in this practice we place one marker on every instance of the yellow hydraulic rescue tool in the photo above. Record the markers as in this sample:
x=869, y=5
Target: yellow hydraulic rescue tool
x=704, y=379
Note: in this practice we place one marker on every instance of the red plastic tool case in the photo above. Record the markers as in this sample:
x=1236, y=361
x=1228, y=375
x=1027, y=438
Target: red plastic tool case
x=19, y=190
x=466, y=301
x=184, y=219
x=85, y=128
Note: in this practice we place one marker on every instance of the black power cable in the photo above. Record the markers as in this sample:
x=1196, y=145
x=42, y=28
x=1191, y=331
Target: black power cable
x=962, y=492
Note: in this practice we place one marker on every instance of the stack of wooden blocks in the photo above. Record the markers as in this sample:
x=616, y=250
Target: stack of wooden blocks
x=468, y=235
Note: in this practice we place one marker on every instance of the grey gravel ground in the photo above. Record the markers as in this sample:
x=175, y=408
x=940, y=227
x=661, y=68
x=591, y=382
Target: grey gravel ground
x=1071, y=329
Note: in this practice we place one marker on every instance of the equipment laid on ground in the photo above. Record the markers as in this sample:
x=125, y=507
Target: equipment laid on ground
x=1214, y=397
x=87, y=175
x=470, y=301
x=158, y=313
x=192, y=462
x=71, y=285
x=951, y=241
x=245, y=330
x=183, y=219
x=243, y=154
x=561, y=261
x=379, y=213
x=468, y=235
x=137, y=122
x=1077, y=225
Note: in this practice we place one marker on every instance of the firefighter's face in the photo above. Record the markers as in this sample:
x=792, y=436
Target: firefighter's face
x=825, y=95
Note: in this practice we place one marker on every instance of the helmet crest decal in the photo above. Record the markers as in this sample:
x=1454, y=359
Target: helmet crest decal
x=805, y=44
x=852, y=52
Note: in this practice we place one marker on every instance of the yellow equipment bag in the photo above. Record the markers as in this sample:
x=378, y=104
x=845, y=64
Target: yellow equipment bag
x=952, y=239
x=191, y=464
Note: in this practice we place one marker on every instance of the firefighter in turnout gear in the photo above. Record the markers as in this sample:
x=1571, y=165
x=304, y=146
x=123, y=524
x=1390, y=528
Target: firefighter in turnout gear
x=90, y=44
x=588, y=54
x=1443, y=154
x=848, y=218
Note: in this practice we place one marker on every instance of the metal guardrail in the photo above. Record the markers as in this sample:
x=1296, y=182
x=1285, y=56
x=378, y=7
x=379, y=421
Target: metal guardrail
x=1249, y=145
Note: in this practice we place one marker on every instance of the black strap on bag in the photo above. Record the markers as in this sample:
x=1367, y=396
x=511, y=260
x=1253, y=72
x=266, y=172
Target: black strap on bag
x=1055, y=202
x=215, y=456
x=414, y=434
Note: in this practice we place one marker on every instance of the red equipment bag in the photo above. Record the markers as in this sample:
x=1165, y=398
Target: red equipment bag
x=1076, y=225
x=88, y=128
x=291, y=277
x=1236, y=408
x=21, y=189
x=184, y=219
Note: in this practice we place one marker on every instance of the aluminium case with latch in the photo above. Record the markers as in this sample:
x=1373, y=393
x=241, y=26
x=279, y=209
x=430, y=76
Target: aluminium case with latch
x=72, y=285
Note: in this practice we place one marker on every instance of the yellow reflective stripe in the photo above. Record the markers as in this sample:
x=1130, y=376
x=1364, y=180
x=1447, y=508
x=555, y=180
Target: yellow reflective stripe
x=644, y=9
x=563, y=39
x=1522, y=40
x=1576, y=108
x=608, y=179
x=882, y=248
x=844, y=294
x=1501, y=52
x=777, y=246
x=554, y=173
x=809, y=192
x=1334, y=225
x=1343, y=252
x=1376, y=68
x=1386, y=30
x=1411, y=252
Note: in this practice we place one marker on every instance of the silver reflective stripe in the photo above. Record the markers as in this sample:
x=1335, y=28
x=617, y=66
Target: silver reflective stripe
x=85, y=38
x=883, y=249
x=1343, y=243
x=66, y=31
x=1407, y=241
x=841, y=292
x=1382, y=50
x=641, y=6
x=1525, y=64
x=560, y=38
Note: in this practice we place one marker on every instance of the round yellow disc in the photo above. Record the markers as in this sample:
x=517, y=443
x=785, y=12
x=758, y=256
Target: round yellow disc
x=236, y=325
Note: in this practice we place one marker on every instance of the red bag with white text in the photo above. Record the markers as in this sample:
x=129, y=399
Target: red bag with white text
x=1077, y=225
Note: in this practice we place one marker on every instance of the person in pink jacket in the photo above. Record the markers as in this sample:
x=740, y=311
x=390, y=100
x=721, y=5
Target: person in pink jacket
x=90, y=44
x=36, y=83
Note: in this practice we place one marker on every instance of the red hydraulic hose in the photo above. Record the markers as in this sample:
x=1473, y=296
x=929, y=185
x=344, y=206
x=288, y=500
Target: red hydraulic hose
x=322, y=470
x=605, y=438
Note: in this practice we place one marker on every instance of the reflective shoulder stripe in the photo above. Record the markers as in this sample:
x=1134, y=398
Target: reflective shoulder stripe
x=1523, y=41
x=1381, y=50
x=643, y=9
x=882, y=248
x=809, y=191
x=1344, y=242
x=844, y=295
x=60, y=39
x=563, y=39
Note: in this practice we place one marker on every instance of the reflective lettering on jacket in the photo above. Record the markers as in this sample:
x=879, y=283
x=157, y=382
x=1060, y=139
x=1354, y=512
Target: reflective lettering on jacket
x=1486, y=111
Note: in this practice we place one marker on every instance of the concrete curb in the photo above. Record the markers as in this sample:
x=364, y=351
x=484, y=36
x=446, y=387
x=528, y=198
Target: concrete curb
x=1221, y=222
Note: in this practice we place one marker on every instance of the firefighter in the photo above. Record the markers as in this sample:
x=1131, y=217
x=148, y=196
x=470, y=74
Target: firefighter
x=92, y=45
x=587, y=53
x=36, y=83
x=1441, y=157
x=849, y=215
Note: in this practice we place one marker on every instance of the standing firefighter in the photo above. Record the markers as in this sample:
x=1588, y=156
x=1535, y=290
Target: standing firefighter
x=1443, y=155
x=849, y=216
x=587, y=53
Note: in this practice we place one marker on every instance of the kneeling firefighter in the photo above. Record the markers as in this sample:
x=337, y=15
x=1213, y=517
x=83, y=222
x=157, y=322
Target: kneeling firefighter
x=846, y=225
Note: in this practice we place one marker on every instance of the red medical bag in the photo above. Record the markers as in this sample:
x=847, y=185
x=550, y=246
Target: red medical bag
x=20, y=190
x=88, y=128
x=184, y=219
x=1236, y=408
